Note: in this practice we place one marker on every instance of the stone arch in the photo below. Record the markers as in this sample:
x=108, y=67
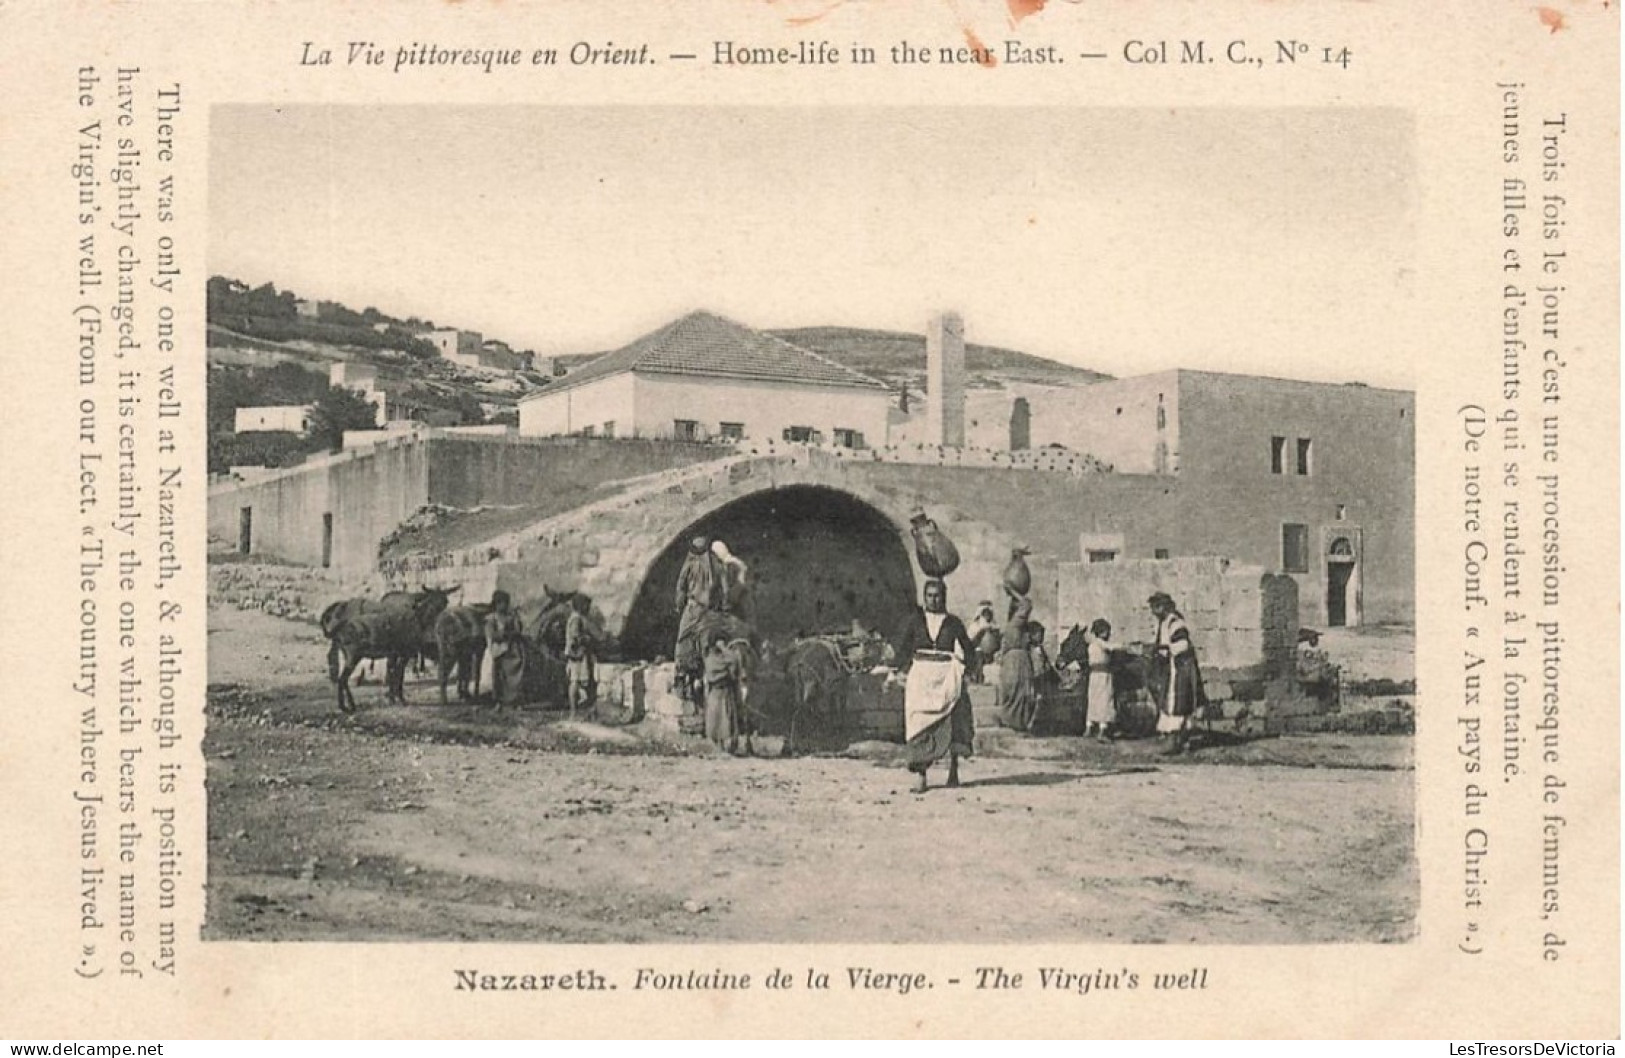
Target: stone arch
x=820, y=556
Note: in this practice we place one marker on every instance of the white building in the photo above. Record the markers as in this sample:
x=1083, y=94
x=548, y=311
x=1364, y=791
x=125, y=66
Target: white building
x=283, y=418
x=704, y=377
x=362, y=380
x=352, y=374
x=460, y=347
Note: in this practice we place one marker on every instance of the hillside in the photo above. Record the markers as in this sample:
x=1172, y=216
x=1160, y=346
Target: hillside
x=263, y=351
x=259, y=327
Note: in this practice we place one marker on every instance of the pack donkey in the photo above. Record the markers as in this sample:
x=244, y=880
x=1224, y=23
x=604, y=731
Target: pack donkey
x=395, y=634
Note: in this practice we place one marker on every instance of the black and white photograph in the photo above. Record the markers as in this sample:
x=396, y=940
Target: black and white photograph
x=766, y=525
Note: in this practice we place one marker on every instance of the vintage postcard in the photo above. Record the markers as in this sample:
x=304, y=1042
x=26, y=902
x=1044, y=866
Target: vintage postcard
x=814, y=519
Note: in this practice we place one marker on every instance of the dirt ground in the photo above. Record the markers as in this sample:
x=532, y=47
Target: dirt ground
x=464, y=823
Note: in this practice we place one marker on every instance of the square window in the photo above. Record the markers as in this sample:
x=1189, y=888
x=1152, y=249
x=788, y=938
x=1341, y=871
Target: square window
x=1102, y=555
x=1161, y=552
x=800, y=434
x=1277, y=455
x=1305, y=451
x=1295, y=548
x=732, y=431
x=848, y=438
x=589, y=431
x=609, y=428
x=685, y=430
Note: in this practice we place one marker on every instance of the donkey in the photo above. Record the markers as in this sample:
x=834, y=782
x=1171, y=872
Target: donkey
x=818, y=677
x=393, y=633
x=459, y=635
x=341, y=611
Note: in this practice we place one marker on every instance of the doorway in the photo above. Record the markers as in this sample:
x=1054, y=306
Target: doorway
x=245, y=530
x=1343, y=581
x=327, y=539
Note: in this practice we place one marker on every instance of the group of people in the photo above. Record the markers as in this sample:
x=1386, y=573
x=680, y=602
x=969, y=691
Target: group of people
x=940, y=657
x=937, y=657
x=1026, y=674
x=507, y=653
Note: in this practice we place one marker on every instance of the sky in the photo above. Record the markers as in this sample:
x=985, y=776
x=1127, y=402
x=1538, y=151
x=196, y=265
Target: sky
x=1261, y=241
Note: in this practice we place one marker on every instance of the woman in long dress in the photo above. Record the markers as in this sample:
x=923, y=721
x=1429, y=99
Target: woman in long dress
x=722, y=674
x=1017, y=693
x=935, y=659
x=1181, y=694
x=505, y=651
x=1102, y=687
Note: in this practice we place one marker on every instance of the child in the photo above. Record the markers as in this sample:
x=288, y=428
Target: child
x=580, y=661
x=1102, y=690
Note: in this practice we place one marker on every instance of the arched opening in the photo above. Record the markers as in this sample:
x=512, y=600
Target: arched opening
x=1342, y=583
x=1021, y=425
x=819, y=559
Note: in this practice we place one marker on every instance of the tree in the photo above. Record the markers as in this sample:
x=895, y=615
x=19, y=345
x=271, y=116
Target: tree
x=336, y=411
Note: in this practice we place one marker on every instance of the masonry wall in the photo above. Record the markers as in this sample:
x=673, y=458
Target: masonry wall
x=987, y=416
x=1362, y=481
x=367, y=492
x=469, y=472
x=1115, y=421
x=1236, y=613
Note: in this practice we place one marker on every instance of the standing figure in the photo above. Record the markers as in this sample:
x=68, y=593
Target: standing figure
x=984, y=635
x=723, y=698
x=1017, y=692
x=935, y=651
x=736, y=593
x=580, y=658
x=1102, y=689
x=1182, y=696
x=702, y=589
x=504, y=650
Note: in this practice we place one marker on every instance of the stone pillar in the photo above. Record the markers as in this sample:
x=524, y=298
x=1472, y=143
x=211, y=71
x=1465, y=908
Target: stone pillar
x=945, y=380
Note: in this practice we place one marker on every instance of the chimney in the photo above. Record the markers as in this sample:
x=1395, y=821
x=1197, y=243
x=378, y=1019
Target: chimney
x=945, y=380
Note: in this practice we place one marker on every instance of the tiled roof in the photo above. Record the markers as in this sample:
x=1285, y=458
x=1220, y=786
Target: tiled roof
x=706, y=345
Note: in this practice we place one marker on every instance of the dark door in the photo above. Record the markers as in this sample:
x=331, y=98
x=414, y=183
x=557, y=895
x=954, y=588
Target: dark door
x=327, y=539
x=1338, y=575
x=245, y=529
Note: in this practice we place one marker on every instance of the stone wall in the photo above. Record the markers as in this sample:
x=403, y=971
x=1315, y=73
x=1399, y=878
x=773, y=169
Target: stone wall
x=874, y=707
x=364, y=494
x=1240, y=617
x=472, y=472
x=297, y=593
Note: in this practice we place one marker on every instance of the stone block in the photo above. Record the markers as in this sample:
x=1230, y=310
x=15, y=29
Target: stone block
x=1248, y=690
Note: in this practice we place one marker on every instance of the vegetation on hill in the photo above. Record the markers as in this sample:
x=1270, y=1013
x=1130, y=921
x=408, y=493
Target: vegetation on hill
x=263, y=352
x=332, y=411
x=271, y=315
